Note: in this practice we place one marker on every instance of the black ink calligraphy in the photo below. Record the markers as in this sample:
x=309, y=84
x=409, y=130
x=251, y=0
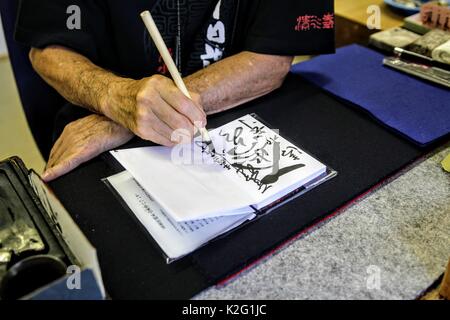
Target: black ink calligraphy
x=247, y=152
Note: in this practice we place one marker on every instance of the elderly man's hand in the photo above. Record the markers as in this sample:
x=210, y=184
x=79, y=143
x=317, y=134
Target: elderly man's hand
x=83, y=140
x=154, y=109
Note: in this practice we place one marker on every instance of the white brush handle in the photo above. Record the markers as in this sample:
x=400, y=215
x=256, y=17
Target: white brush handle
x=165, y=54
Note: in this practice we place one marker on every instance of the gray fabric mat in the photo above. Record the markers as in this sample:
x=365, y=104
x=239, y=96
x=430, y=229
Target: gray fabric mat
x=393, y=244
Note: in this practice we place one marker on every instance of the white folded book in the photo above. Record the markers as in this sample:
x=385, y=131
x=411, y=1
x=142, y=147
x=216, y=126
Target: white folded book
x=190, y=194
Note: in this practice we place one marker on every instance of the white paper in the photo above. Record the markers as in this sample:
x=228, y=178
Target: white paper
x=176, y=239
x=265, y=165
x=185, y=192
x=252, y=166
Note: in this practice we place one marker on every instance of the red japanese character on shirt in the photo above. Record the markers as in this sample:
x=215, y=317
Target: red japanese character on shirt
x=308, y=22
x=328, y=21
x=303, y=23
x=162, y=68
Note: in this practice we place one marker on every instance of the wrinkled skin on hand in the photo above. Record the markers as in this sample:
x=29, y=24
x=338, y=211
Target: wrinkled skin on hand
x=82, y=141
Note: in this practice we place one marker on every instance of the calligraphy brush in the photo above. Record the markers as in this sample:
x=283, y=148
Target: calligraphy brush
x=419, y=58
x=164, y=52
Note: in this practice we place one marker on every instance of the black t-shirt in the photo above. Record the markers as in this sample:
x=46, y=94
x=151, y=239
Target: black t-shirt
x=197, y=32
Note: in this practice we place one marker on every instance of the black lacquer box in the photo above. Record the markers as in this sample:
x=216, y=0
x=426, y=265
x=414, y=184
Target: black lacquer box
x=43, y=254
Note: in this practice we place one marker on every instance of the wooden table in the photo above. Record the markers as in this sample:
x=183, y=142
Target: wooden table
x=351, y=20
x=356, y=11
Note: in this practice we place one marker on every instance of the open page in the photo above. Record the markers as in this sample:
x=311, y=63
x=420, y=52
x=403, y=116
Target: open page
x=185, y=191
x=264, y=164
x=250, y=165
x=175, y=239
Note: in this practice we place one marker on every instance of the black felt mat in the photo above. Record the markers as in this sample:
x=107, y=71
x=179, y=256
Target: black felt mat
x=362, y=151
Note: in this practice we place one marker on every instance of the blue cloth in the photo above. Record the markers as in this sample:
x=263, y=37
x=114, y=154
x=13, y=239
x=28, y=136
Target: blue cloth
x=58, y=290
x=417, y=109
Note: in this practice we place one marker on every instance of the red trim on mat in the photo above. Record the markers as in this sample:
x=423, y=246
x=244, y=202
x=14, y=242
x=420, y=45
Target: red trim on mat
x=315, y=224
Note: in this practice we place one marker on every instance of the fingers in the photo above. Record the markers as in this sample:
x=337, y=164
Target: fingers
x=63, y=167
x=171, y=117
x=185, y=106
x=161, y=110
x=70, y=159
x=69, y=155
x=71, y=135
x=174, y=97
x=174, y=136
x=161, y=140
x=82, y=141
x=55, y=153
x=197, y=99
x=159, y=133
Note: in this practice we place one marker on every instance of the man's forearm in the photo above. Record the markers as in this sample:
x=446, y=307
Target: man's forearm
x=85, y=84
x=152, y=108
x=238, y=79
x=74, y=76
x=221, y=86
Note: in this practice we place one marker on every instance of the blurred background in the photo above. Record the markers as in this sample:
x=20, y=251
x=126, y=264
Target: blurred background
x=16, y=138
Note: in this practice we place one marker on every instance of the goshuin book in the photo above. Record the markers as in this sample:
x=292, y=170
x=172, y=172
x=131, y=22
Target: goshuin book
x=188, y=195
